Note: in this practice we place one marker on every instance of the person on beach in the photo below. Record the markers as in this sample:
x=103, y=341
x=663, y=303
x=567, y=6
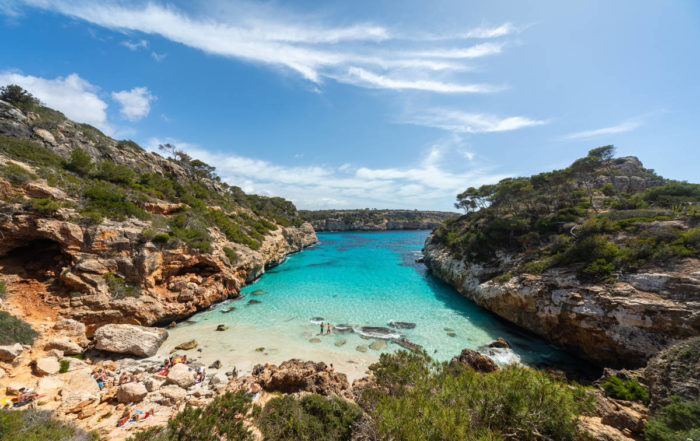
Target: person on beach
x=235, y=372
x=328, y=328
x=321, y=328
x=332, y=369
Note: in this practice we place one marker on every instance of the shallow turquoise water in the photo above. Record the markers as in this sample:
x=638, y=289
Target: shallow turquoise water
x=368, y=279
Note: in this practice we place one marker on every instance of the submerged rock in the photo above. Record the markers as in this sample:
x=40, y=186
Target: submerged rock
x=402, y=325
x=361, y=348
x=130, y=339
x=452, y=334
x=407, y=344
x=378, y=345
x=449, y=329
x=253, y=302
x=315, y=340
x=227, y=310
x=187, y=345
x=258, y=292
x=377, y=332
x=499, y=343
x=340, y=343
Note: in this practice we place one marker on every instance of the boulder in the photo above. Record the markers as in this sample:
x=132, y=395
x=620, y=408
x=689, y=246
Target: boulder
x=216, y=365
x=49, y=384
x=172, y=394
x=47, y=366
x=2, y=373
x=54, y=353
x=131, y=392
x=499, y=343
x=10, y=352
x=180, y=375
x=78, y=401
x=221, y=327
x=75, y=364
x=625, y=419
x=593, y=427
x=187, y=345
x=476, y=361
x=80, y=382
x=219, y=378
x=65, y=345
x=130, y=339
x=296, y=375
x=361, y=348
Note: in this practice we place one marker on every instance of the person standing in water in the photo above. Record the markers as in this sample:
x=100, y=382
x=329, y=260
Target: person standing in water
x=328, y=328
x=321, y=328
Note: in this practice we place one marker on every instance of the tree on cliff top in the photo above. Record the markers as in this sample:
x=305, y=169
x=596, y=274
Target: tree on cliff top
x=18, y=97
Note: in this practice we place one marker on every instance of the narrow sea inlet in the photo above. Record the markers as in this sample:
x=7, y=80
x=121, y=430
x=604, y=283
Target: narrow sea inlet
x=360, y=279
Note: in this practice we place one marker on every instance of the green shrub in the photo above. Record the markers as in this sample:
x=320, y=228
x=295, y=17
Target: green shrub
x=598, y=270
x=28, y=151
x=311, y=418
x=37, y=425
x=79, y=162
x=116, y=173
x=3, y=288
x=503, y=278
x=16, y=174
x=44, y=205
x=628, y=389
x=65, y=365
x=118, y=287
x=679, y=421
x=417, y=399
x=14, y=330
x=220, y=420
x=672, y=194
x=536, y=266
x=105, y=200
x=231, y=255
x=161, y=238
x=127, y=144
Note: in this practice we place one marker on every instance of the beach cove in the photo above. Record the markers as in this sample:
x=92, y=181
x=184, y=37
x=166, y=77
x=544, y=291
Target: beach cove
x=360, y=279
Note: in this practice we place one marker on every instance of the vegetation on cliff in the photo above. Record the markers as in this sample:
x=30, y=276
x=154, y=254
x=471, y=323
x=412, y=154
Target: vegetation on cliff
x=115, y=180
x=328, y=219
x=600, y=215
x=37, y=425
x=14, y=330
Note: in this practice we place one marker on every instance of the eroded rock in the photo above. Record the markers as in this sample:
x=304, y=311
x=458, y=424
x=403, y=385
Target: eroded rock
x=476, y=361
x=130, y=339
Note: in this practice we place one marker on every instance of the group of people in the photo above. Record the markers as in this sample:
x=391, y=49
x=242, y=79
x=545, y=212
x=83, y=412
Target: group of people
x=125, y=378
x=24, y=397
x=128, y=417
x=328, y=328
x=170, y=362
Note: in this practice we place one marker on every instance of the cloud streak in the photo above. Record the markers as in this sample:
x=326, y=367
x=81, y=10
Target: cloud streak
x=361, y=54
x=620, y=128
x=461, y=122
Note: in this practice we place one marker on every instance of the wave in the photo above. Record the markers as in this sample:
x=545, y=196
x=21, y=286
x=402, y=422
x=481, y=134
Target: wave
x=502, y=356
x=377, y=332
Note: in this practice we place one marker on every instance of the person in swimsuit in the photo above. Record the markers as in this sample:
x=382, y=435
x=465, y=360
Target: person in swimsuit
x=328, y=328
x=321, y=327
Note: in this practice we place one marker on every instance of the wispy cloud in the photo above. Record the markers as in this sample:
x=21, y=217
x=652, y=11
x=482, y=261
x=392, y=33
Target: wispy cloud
x=72, y=95
x=362, y=54
x=461, y=122
x=625, y=126
x=430, y=183
x=135, y=45
x=158, y=57
x=135, y=103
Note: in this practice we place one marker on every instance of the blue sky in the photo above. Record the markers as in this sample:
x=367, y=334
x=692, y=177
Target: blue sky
x=380, y=104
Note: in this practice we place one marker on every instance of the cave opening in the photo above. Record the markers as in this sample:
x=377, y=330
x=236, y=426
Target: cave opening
x=39, y=259
x=200, y=269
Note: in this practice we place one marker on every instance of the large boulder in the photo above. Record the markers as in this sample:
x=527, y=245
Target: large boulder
x=296, y=375
x=180, y=375
x=674, y=371
x=172, y=394
x=130, y=339
x=74, y=330
x=10, y=352
x=80, y=382
x=478, y=362
x=131, y=392
x=64, y=345
x=47, y=366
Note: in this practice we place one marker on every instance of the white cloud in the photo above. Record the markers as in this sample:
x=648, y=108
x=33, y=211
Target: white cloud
x=72, y=95
x=135, y=45
x=429, y=184
x=135, y=103
x=316, y=51
x=461, y=122
x=158, y=57
x=620, y=128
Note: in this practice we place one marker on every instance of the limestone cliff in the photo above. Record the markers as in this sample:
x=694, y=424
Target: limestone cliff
x=374, y=220
x=187, y=242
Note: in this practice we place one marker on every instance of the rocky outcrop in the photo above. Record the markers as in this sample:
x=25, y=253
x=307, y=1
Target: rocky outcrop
x=131, y=392
x=181, y=376
x=47, y=366
x=621, y=324
x=674, y=371
x=10, y=352
x=476, y=361
x=130, y=339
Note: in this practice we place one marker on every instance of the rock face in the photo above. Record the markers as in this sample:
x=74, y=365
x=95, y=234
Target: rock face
x=131, y=392
x=64, y=345
x=674, y=371
x=476, y=361
x=10, y=352
x=130, y=339
x=47, y=366
x=619, y=325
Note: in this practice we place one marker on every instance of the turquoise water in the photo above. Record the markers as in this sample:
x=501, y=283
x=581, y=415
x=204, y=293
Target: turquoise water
x=361, y=279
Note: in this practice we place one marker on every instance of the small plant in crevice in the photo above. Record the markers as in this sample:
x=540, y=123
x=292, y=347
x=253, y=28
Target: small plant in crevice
x=118, y=287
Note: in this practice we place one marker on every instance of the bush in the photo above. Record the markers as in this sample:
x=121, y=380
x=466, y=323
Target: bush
x=503, y=278
x=222, y=419
x=37, y=425
x=65, y=365
x=44, y=205
x=418, y=399
x=79, y=162
x=119, y=288
x=312, y=418
x=231, y=255
x=3, y=288
x=116, y=173
x=28, y=151
x=18, y=97
x=16, y=174
x=105, y=200
x=679, y=421
x=628, y=389
x=161, y=238
x=14, y=330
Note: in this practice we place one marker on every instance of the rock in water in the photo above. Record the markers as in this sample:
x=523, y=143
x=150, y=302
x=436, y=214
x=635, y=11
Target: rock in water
x=342, y=328
x=407, y=344
x=452, y=334
x=317, y=320
x=476, y=361
x=499, y=343
x=180, y=375
x=130, y=339
x=377, y=332
x=227, y=310
x=258, y=292
x=361, y=348
x=315, y=340
x=187, y=345
x=402, y=325
x=378, y=345
x=131, y=392
x=253, y=302
x=172, y=325
x=340, y=342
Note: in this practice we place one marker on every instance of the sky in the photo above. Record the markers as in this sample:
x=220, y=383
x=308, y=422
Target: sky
x=370, y=104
